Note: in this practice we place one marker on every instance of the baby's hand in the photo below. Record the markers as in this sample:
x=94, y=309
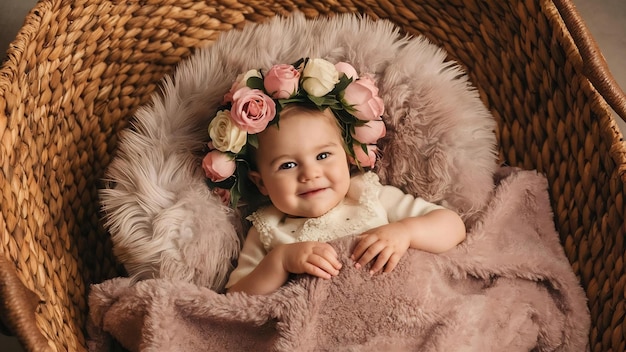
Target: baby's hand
x=314, y=258
x=386, y=243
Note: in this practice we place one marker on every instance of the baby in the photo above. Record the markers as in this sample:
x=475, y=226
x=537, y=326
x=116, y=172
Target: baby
x=303, y=164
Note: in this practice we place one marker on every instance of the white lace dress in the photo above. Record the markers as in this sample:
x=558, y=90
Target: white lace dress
x=368, y=204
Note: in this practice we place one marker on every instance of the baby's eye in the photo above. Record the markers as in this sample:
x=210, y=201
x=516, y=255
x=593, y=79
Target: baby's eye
x=287, y=165
x=323, y=155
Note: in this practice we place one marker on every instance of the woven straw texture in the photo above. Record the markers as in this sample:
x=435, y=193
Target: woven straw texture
x=78, y=70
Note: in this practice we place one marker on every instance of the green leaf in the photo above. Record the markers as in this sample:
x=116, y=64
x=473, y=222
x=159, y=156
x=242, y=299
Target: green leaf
x=255, y=83
x=235, y=195
x=344, y=82
x=350, y=149
x=239, y=188
x=300, y=62
x=336, y=105
x=347, y=134
x=319, y=101
x=352, y=153
x=253, y=140
x=349, y=108
x=326, y=101
x=294, y=99
x=346, y=117
x=331, y=101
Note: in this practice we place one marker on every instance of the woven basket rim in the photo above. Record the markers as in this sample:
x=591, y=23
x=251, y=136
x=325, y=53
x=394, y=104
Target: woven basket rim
x=25, y=35
x=610, y=97
x=594, y=64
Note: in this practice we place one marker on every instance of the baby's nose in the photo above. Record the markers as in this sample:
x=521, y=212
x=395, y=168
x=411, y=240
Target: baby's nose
x=309, y=172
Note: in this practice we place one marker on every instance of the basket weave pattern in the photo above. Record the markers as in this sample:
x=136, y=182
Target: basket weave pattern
x=78, y=70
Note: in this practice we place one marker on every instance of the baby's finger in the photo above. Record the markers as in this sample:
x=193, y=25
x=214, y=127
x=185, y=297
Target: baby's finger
x=324, y=264
x=316, y=271
x=324, y=249
x=381, y=260
x=392, y=262
x=334, y=261
x=370, y=253
x=329, y=254
x=364, y=243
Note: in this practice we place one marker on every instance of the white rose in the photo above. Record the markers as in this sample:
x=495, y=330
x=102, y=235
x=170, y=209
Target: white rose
x=225, y=135
x=319, y=77
x=243, y=78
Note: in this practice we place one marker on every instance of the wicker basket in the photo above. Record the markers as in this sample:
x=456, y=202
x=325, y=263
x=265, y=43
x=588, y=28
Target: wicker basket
x=78, y=70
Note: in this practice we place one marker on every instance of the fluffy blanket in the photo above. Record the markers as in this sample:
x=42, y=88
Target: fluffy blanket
x=508, y=287
x=163, y=221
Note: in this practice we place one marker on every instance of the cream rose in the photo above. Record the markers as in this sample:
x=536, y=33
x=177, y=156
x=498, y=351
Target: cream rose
x=225, y=135
x=319, y=77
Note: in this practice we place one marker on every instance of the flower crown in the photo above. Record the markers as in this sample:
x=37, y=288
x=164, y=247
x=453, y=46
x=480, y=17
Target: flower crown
x=256, y=99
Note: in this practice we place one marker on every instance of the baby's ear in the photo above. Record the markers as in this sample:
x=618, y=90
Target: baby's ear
x=255, y=177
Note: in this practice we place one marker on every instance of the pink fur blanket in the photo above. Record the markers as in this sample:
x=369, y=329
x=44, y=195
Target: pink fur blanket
x=508, y=287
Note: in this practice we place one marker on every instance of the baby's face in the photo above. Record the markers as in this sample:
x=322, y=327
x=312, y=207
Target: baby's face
x=302, y=164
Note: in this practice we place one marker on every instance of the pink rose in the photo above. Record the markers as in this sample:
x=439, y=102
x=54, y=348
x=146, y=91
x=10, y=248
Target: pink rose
x=347, y=69
x=365, y=160
x=240, y=82
x=218, y=166
x=371, y=132
x=252, y=110
x=363, y=95
x=281, y=81
x=223, y=194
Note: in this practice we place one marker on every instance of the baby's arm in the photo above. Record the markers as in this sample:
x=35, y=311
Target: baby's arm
x=315, y=258
x=435, y=232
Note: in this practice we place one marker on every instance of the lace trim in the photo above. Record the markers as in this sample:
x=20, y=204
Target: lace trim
x=365, y=187
x=261, y=221
x=371, y=190
x=368, y=188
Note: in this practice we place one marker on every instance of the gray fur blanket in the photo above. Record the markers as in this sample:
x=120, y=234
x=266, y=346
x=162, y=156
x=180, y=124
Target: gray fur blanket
x=508, y=287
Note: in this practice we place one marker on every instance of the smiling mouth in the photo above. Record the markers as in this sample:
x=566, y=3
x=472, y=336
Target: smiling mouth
x=311, y=192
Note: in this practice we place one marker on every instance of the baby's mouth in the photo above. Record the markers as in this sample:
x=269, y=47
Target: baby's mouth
x=312, y=192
